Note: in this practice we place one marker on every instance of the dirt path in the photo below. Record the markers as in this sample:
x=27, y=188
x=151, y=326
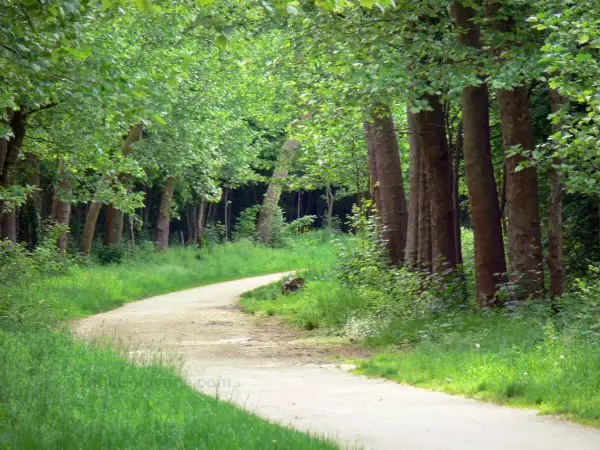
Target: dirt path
x=269, y=368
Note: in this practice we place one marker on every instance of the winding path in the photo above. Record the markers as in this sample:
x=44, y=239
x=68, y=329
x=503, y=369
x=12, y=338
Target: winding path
x=267, y=367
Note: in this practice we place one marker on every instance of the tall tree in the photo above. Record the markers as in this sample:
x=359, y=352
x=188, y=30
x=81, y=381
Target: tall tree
x=264, y=225
x=89, y=228
x=555, y=206
x=164, y=214
x=412, y=233
x=432, y=132
x=61, y=203
x=526, y=263
x=424, y=256
x=393, y=212
x=490, y=263
x=113, y=228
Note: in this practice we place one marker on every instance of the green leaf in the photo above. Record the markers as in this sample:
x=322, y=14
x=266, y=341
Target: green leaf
x=144, y=5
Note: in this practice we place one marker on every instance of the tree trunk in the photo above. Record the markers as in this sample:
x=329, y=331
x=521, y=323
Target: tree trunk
x=524, y=233
x=330, y=200
x=114, y=226
x=61, y=203
x=8, y=226
x=264, y=225
x=555, y=214
x=458, y=151
x=164, y=215
x=132, y=230
x=431, y=126
x=412, y=234
x=9, y=156
x=526, y=264
x=89, y=227
x=226, y=214
x=369, y=128
x=391, y=187
x=490, y=261
x=30, y=222
x=113, y=229
x=424, y=257
x=200, y=223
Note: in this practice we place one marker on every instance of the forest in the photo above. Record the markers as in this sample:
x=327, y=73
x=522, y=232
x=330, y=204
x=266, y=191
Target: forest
x=430, y=167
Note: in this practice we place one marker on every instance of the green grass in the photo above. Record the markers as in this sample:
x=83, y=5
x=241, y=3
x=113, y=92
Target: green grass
x=525, y=359
x=95, y=288
x=520, y=361
x=322, y=303
x=57, y=392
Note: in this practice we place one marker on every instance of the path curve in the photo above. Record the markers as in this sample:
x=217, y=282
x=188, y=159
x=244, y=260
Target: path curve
x=269, y=368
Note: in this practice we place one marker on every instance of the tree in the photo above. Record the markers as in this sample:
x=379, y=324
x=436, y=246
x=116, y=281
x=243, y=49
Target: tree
x=431, y=129
x=384, y=147
x=524, y=231
x=264, y=225
x=490, y=263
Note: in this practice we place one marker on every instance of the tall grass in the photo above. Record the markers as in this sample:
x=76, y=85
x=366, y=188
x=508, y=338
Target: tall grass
x=521, y=360
x=56, y=392
x=85, y=290
x=59, y=393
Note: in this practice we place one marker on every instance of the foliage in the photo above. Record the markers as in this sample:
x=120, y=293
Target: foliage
x=20, y=270
x=245, y=226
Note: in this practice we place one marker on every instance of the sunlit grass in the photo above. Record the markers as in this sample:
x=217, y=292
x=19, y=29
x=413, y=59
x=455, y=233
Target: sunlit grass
x=57, y=392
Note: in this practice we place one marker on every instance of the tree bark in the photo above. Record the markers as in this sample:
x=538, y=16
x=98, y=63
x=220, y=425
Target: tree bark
x=412, y=234
x=424, y=257
x=555, y=212
x=200, y=223
x=490, y=261
x=526, y=264
x=164, y=215
x=61, y=204
x=10, y=150
x=115, y=226
x=264, y=225
x=394, y=217
x=30, y=223
x=524, y=233
x=113, y=229
x=369, y=128
x=330, y=200
x=431, y=126
x=226, y=214
x=458, y=151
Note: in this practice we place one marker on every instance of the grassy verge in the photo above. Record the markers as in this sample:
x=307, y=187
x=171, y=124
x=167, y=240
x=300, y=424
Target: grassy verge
x=59, y=393
x=527, y=359
x=91, y=289
x=56, y=392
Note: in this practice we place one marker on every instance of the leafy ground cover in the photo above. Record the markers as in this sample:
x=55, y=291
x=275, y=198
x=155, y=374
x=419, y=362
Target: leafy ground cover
x=57, y=392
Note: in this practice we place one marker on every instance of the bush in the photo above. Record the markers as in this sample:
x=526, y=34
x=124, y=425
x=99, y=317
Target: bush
x=245, y=227
x=20, y=269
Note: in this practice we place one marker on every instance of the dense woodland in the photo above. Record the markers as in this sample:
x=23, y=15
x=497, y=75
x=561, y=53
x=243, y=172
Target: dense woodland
x=166, y=121
x=429, y=167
